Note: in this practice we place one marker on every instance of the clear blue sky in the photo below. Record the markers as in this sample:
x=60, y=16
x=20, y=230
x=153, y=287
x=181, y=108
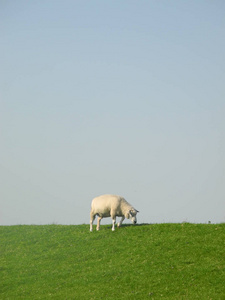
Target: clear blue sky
x=122, y=97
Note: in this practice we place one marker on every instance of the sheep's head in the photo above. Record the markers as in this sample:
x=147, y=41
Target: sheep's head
x=132, y=215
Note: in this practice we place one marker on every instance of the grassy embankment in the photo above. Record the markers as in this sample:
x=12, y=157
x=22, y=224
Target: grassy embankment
x=161, y=261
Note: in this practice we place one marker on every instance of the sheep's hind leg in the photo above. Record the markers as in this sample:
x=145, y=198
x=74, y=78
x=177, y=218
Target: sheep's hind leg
x=121, y=221
x=98, y=223
x=91, y=222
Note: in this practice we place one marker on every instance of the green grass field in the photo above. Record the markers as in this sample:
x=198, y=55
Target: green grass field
x=160, y=261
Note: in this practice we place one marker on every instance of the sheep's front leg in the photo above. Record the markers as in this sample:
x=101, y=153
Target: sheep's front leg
x=121, y=221
x=98, y=223
x=113, y=223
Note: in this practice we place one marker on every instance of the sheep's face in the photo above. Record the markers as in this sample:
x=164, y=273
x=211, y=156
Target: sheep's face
x=132, y=216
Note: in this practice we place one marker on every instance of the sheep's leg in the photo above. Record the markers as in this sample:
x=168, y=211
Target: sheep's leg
x=91, y=221
x=98, y=223
x=121, y=221
x=113, y=223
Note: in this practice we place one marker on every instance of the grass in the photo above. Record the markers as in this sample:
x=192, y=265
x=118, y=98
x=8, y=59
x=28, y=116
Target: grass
x=160, y=261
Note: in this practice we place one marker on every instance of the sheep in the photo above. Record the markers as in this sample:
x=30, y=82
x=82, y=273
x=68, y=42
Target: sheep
x=111, y=205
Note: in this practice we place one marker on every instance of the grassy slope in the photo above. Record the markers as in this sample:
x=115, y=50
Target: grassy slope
x=162, y=261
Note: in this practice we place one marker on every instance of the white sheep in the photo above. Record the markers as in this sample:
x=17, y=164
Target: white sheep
x=111, y=205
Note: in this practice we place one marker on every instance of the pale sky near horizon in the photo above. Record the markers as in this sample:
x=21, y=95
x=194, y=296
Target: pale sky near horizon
x=122, y=97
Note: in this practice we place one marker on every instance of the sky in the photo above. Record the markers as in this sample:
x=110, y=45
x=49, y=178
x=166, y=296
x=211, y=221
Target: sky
x=112, y=97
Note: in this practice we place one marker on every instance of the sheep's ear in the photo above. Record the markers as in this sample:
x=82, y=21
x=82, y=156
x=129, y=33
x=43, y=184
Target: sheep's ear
x=137, y=210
